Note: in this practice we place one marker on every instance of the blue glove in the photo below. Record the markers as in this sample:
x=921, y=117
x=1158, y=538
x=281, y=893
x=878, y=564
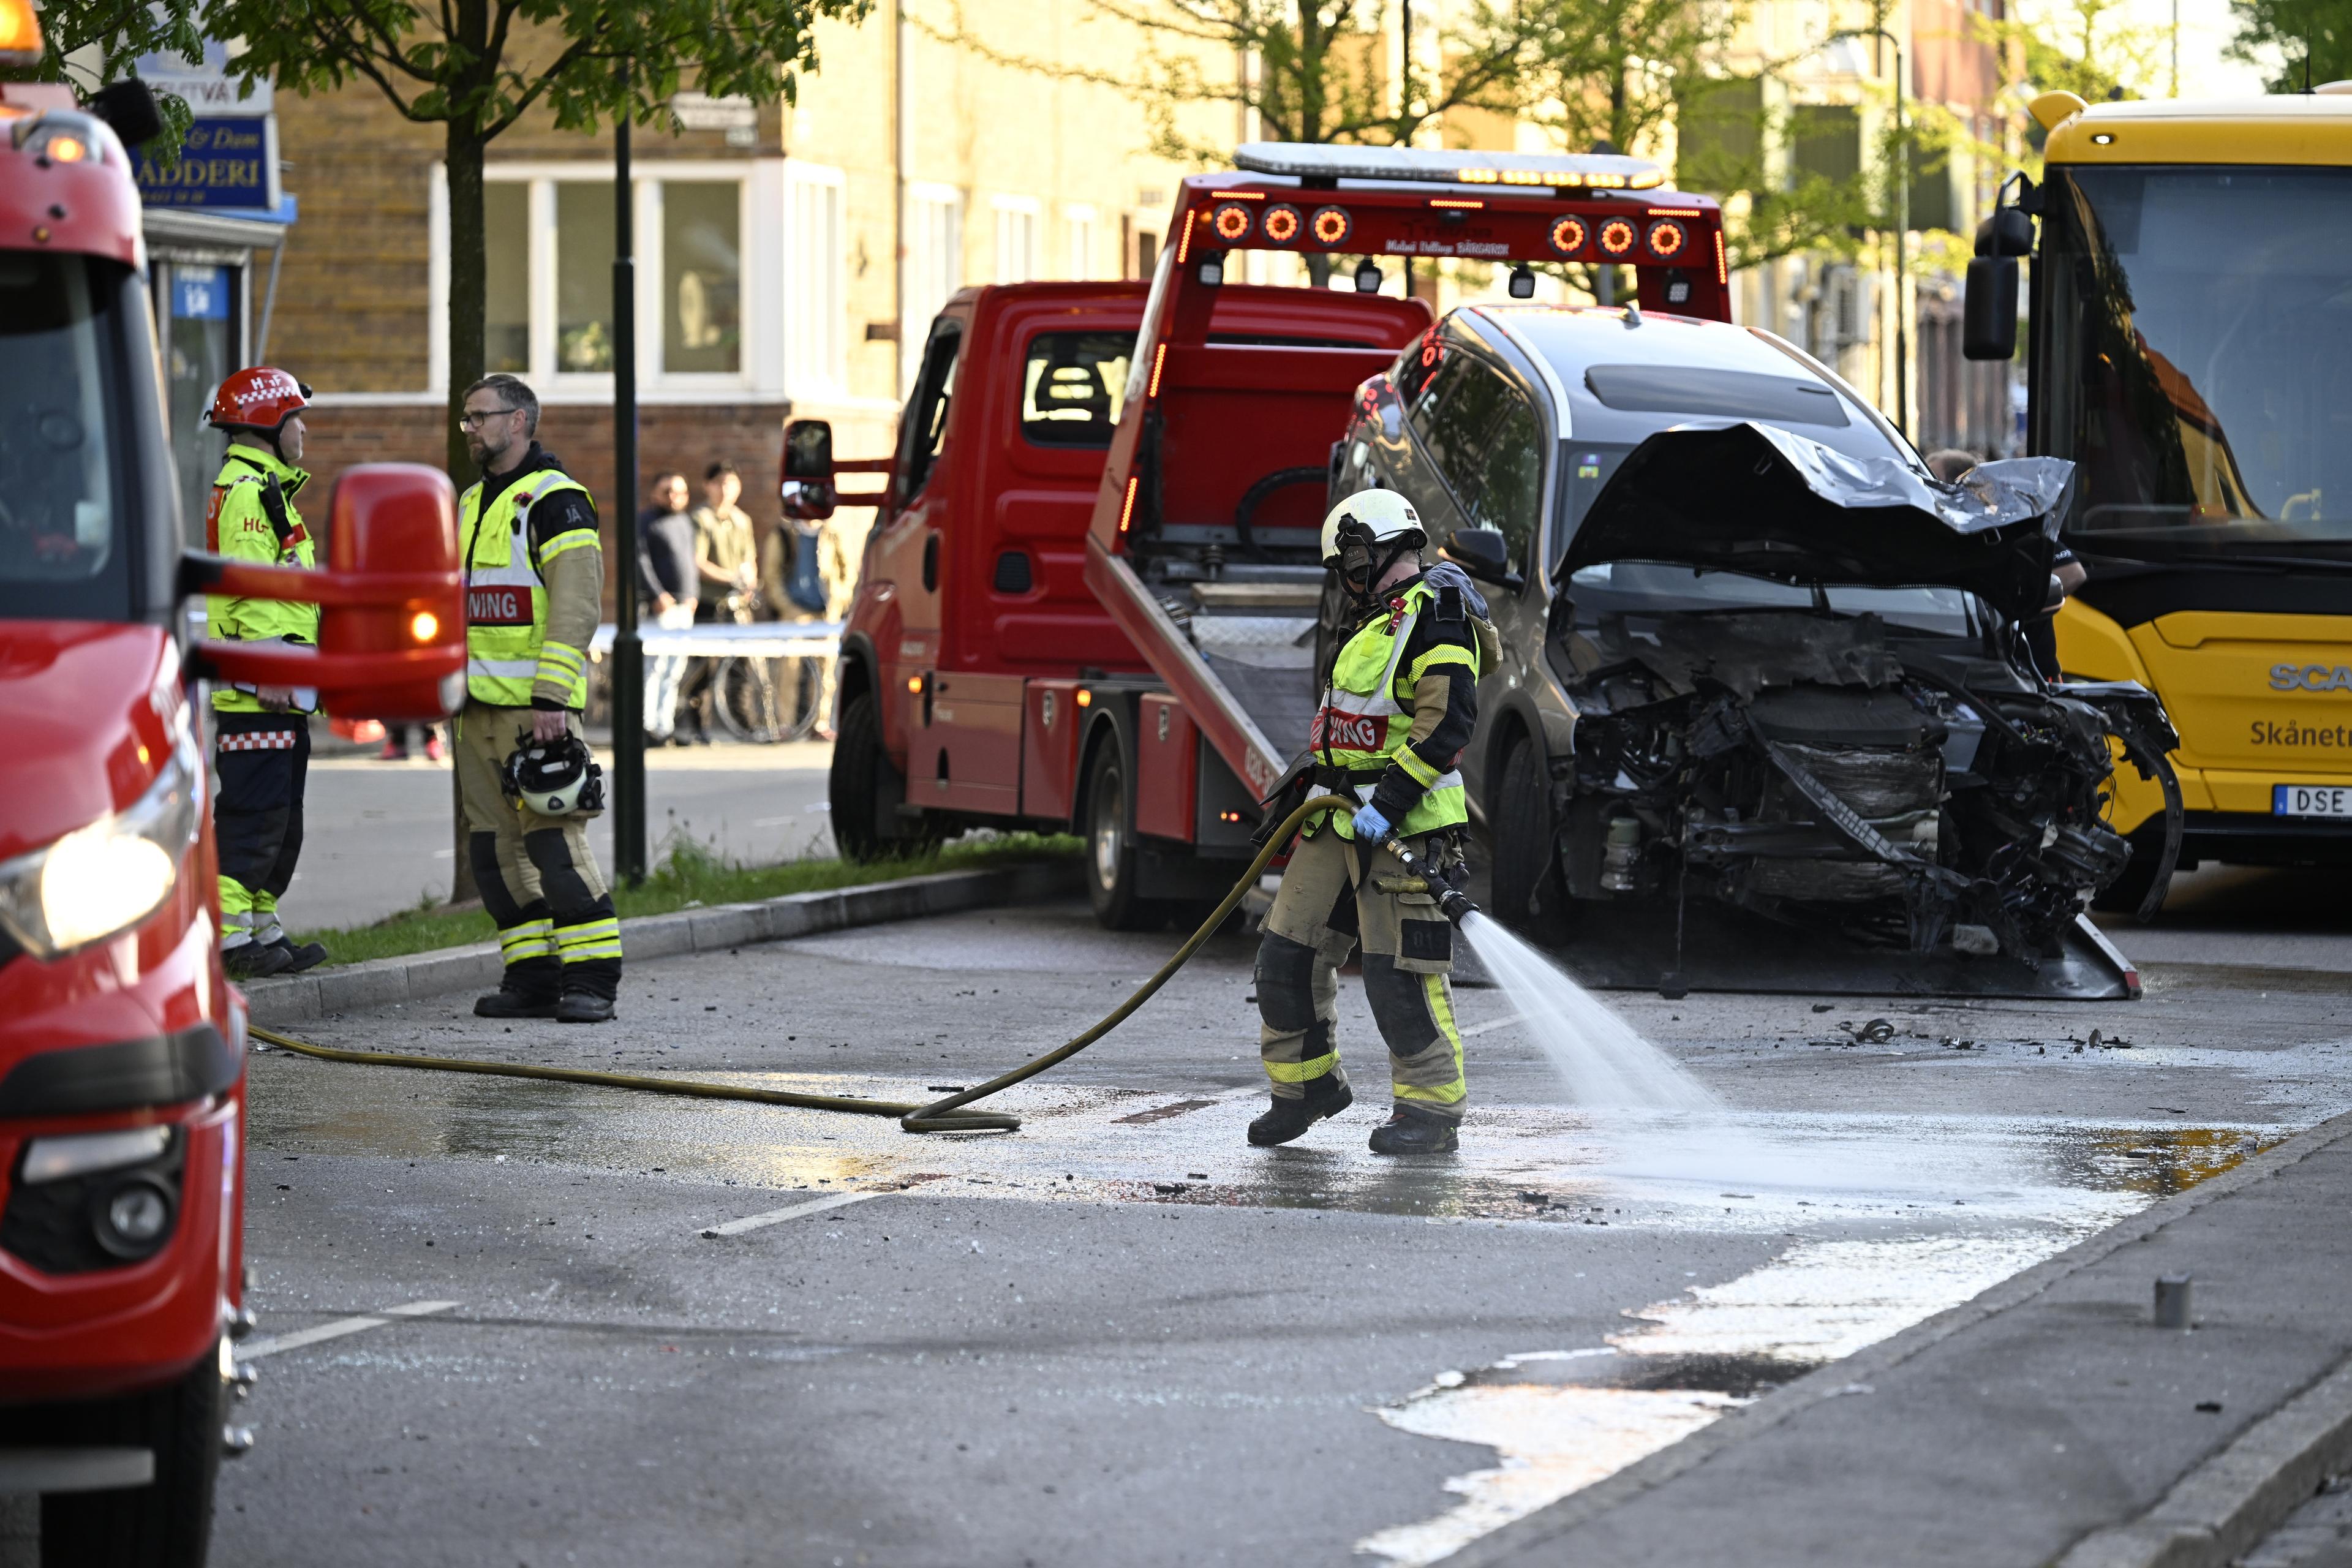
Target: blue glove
x=1370, y=827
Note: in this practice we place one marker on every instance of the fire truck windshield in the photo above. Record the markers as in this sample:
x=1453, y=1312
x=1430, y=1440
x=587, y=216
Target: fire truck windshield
x=64, y=334
x=2197, y=358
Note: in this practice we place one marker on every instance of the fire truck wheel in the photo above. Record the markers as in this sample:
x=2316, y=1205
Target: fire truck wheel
x=1530, y=895
x=167, y=1524
x=1112, y=873
x=854, y=788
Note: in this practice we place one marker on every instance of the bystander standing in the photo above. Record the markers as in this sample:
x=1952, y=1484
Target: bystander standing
x=727, y=565
x=666, y=568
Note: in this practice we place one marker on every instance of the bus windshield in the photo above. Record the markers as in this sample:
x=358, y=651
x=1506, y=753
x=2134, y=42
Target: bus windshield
x=2198, y=358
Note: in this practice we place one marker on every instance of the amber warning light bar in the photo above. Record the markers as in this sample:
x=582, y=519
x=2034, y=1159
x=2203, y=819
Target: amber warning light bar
x=1434, y=165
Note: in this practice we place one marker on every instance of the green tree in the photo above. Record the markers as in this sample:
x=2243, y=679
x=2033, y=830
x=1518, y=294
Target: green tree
x=476, y=67
x=119, y=31
x=2314, y=37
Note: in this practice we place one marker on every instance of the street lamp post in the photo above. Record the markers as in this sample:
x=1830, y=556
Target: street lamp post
x=628, y=651
x=1902, y=227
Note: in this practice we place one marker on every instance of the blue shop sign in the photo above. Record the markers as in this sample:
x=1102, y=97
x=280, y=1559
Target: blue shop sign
x=228, y=163
x=200, y=293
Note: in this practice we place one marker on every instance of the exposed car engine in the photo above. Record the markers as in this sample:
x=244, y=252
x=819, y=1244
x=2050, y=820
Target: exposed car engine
x=1912, y=791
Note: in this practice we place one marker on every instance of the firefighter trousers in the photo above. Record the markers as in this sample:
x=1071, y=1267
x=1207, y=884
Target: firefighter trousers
x=263, y=760
x=557, y=930
x=1336, y=896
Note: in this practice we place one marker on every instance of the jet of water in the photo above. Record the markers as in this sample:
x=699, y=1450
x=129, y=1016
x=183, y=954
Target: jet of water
x=1604, y=1061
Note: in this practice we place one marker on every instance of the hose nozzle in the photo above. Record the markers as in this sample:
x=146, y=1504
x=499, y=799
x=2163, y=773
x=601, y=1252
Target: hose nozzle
x=1452, y=901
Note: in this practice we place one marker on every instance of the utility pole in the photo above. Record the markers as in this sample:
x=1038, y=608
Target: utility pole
x=628, y=651
x=1902, y=225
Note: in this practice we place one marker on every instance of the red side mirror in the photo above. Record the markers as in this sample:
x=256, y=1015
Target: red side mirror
x=396, y=523
x=392, y=632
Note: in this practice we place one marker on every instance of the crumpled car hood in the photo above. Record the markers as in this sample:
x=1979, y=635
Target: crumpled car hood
x=1757, y=499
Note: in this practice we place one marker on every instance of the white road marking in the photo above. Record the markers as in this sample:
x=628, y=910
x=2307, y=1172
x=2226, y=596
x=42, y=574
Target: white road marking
x=776, y=1217
x=338, y=1329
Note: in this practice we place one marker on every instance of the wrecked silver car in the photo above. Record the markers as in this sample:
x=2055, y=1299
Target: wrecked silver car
x=1763, y=681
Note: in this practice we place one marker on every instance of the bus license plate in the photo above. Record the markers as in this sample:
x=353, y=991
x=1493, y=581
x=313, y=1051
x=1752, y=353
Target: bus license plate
x=2311, y=799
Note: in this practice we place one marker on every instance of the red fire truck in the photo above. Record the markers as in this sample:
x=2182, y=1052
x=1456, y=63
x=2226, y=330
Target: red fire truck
x=122, y=1044
x=1090, y=598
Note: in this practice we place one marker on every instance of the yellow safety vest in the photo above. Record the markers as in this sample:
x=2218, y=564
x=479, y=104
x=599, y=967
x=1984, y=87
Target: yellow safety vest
x=242, y=523
x=505, y=599
x=1364, y=721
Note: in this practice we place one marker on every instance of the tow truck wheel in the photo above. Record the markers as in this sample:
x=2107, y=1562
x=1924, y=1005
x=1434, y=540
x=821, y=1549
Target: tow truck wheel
x=1530, y=895
x=854, y=787
x=1112, y=875
x=166, y=1524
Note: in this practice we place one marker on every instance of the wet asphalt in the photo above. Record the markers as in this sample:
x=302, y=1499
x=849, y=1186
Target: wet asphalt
x=1120, y=1335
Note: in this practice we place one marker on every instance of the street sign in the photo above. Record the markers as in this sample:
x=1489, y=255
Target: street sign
x=228, y=163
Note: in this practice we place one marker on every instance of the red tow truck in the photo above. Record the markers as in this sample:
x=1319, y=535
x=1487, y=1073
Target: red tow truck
x=1090, y=599
x=122, y=1045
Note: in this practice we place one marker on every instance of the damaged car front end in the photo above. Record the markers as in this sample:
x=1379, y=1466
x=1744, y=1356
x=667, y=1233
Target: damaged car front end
x=1800, y=692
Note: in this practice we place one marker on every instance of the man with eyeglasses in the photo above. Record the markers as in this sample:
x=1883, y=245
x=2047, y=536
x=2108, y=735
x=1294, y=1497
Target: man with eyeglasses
x=534, y=585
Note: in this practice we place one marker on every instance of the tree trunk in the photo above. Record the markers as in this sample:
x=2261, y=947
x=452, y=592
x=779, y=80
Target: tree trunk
x=466, y=281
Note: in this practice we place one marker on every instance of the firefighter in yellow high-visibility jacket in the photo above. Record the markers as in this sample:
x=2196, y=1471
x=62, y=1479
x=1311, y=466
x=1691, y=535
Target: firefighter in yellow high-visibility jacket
x=534, y=566
x=261, y=733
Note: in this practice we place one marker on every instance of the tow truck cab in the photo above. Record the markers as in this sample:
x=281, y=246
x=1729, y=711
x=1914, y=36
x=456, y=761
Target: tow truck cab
x=1090, y=596
x=2190, y=333
x=122, y=1043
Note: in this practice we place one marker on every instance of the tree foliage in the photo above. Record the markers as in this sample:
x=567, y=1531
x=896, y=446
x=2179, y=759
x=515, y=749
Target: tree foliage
x=2313, y=37
x=119, y=32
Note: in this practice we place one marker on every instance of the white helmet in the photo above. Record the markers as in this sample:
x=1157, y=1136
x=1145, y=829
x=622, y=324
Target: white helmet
x=555, y=778
x=1377, y=518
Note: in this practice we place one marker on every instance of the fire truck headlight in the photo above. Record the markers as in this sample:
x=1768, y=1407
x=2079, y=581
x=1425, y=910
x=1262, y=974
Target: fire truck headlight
x=102, y=879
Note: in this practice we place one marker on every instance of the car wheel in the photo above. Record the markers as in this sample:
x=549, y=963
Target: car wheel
x=1112, y=873
x=1530, y=895
x=165, y=1524
x=2125, y=894
x=854, y=787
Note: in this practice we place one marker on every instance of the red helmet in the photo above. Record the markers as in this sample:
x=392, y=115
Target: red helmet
x=262, y=398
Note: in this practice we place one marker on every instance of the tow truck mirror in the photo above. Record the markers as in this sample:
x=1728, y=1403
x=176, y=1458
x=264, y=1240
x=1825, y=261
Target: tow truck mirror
x=391, y=624
x=1483, y=552
x=806, y=482
x=1988, y=309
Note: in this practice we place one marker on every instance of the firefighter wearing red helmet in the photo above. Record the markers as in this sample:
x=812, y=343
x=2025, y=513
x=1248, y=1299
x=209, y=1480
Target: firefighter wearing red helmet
x=261, y=735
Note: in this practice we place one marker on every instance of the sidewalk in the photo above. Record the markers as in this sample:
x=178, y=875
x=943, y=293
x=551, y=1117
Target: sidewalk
x=2047, y=1421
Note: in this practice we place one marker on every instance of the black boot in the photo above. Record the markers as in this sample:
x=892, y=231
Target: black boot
x=584, y=1007
x=1413, y=1130
x=254, y=961
x=505, y=1003
x=309, y=956
x=1290, y=1118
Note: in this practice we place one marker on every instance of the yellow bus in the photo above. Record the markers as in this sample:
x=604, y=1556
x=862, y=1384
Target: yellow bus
x=2190, y=350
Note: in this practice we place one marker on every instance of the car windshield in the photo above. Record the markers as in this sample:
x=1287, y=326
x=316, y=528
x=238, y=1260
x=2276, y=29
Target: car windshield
x=63, y=532
x=2199, y=358
x=1649, y=587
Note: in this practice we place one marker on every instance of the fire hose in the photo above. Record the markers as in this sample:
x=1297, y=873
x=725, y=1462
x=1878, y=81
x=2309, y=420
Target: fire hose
x=940, y=1116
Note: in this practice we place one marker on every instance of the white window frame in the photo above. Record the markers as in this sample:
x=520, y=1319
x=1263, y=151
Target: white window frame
x=927, y=202
x=1027, y=210
x=760, y=234
x=1079, y=242
x=815, y=312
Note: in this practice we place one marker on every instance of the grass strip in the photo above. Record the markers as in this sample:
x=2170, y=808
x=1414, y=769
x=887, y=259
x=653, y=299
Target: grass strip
x=690, y=876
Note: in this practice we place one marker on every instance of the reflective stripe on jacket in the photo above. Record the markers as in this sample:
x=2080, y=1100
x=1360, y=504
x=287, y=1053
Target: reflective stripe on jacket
x=1364, y=722
x=505, y=598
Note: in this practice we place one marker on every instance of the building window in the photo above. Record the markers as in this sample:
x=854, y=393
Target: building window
x=1080, y=221
x=934, y=261
x=583, y=277
x=1017, y=239
x=816, y=344
x=549, y=244
x=703, y=277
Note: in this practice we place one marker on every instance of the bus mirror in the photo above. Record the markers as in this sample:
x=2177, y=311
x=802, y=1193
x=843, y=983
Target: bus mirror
x=392, y=530
x=806, y=482
x=2008, y=232
x=1989, y=312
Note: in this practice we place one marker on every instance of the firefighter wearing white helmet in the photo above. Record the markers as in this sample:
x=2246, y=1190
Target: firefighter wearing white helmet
x=1399, y=703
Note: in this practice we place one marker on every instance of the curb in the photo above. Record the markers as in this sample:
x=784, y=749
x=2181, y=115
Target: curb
x=2245, y=1493
x=385, y=981
x=2226, y=1505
